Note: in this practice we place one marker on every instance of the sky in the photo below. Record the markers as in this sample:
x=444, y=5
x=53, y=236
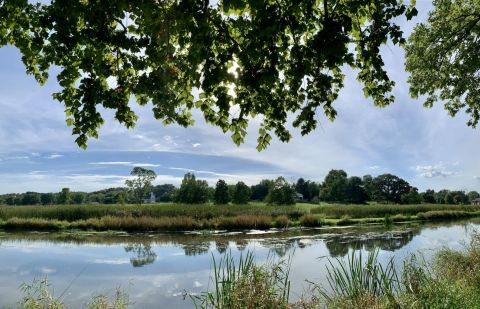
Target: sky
x=426, y=147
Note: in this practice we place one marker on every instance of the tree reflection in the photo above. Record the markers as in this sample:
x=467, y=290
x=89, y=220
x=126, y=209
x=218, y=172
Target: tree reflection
x=143, y=254
x=339, y=245
x=196, y=248
x=222, y=246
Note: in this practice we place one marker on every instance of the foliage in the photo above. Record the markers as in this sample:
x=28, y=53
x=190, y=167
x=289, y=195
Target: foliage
x=389, y=188
x=192, y=190
x=47, y=198
x=311, y=220
x=141, y=183
x=412, y=197
x=355, y=279
x=281, y=193
x=242, y=193
x=307, y=188
x=279, y=58
x=37, y=295
x=354, y=191
x=441, y=58
x=260, y=190
x=428, y=196
x=221, y=196
x=64, y=197
x=245, y=285
x=164, y=193
x=334, y=186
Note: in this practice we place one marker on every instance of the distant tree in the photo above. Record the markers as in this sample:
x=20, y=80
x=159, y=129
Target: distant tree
x=472, y=195
x=78, y=198
x=412, y=197
x=313, y=191
x=12, y=200
x=308, y=189
x=334, y=186
x=141, y=184
x=260, y=191
x=164, y=193
x=221, y=195
x=428, y=197
x=282, y=193
x=354, y=191
x=64, y=197
x=192, y=191
x=456, y=197
x=302, y=187
x=241, y=194
x=369, y=186
x=30, y=198
x=440, y=196
x=47, y=198
x=389, y=188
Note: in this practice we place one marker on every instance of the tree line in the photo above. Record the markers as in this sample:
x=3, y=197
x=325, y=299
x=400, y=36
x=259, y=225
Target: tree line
x=337, y=187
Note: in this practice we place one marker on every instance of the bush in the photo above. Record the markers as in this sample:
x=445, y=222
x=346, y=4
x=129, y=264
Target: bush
x=311, y=221
x=282, y=221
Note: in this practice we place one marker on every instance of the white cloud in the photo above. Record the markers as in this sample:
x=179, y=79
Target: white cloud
x=46, y=270
x=195, y=145
x=119, y=261
x=433, y=171
x=54, y=156
x=125, y=163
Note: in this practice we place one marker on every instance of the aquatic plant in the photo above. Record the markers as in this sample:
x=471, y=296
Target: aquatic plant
x=357, y=279
x=245, y=285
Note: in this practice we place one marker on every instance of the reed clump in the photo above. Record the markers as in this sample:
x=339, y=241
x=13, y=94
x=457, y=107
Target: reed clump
x=336, y=211
x=311, y=220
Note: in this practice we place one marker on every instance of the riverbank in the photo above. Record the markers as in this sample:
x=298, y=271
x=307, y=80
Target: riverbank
x=360, y=280
x=179, y=217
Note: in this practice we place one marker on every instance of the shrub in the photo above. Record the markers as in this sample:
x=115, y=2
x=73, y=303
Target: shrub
x=311, y=221
x=282, y=221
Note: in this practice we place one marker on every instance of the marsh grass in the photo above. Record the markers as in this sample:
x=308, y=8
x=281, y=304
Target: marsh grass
x=312, y=220
x=244, y=285
x=336, y=211
x=39, y=295
x=198, y=212
x=361, y=280
x=446, y=214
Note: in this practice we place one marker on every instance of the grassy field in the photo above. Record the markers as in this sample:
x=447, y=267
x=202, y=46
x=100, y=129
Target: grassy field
x=178, y=217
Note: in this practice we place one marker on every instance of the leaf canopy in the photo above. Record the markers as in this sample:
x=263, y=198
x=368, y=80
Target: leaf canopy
x=232, y=59
x=442, y=56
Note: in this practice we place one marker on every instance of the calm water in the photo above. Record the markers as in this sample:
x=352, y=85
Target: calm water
x=156, y=270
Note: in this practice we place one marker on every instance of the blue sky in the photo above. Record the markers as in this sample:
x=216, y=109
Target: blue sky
x=425, y=146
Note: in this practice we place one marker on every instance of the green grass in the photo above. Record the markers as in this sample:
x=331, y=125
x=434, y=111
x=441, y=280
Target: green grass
x=181, y=217
x=199, y=212
x=452, y=280
x=336, y=211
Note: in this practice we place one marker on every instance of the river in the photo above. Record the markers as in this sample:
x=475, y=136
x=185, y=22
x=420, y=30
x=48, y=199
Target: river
x=158, y=270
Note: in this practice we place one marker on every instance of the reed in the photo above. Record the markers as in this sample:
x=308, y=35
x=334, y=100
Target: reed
x=336, y=211
x=245, y=285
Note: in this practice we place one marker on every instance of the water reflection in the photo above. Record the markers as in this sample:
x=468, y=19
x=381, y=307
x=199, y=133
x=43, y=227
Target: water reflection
x=156, y=269
x=143, y=254
x=339, y=245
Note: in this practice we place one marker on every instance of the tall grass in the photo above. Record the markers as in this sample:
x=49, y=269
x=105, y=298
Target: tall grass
x=245, y=285
x=381, y=210
x=38, y=295
x=198, y=212
x=357, y=279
